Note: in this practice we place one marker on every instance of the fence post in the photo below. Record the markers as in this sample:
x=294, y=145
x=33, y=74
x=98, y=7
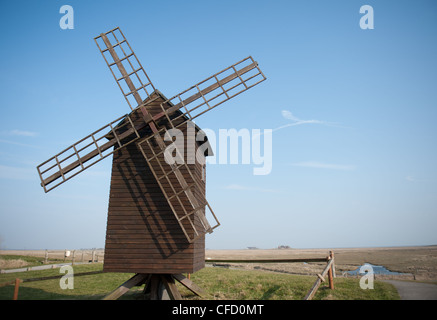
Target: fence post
x=74, y=256
x=333, y=264
x=46, y=257
x=17, y=286
x=319, y=280
x=330, y=271
x=93, y=256
x=330, y=278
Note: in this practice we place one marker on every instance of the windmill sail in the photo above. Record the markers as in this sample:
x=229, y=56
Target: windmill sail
x=87, y=152
x=213, y=91
x=188, y=209
x=180, y=188
x=125, y=67
x=135, y=86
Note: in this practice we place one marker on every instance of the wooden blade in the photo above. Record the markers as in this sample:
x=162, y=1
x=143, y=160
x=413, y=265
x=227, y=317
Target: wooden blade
x=211, y=92
x=87, y=152
x=130, y=76
x=180, y=188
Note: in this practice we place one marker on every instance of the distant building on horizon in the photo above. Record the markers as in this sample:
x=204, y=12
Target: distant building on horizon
x=284, y=247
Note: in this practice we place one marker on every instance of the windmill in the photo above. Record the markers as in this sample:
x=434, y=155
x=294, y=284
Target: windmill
x=157, y=213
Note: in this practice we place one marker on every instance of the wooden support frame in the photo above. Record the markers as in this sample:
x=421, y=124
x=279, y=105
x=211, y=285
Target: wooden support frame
x=170, y=286
x=158, y=286
x=190, y=285
x=126, y=286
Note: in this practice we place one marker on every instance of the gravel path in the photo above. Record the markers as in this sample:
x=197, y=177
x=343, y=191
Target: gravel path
x=415, y=290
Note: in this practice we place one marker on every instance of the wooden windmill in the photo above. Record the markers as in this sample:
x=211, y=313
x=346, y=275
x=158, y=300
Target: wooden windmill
x=158, y=214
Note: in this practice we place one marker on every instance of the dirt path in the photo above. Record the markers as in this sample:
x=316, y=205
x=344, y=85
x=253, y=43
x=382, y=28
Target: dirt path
x=415, y=290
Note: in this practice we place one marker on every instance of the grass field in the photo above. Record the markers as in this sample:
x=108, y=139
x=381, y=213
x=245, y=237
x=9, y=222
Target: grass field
x=18, y=261
x=419, y=263
x=219, y=283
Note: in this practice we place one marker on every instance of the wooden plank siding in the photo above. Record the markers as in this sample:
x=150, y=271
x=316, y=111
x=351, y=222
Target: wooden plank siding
x=142, y=233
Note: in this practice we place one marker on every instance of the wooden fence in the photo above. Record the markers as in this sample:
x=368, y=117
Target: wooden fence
x=74, y=255
x=329, y=269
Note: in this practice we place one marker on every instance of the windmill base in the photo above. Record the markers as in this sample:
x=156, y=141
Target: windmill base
x=157, y=286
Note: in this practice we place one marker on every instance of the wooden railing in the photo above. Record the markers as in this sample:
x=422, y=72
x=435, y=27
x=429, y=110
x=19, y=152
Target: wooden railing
x=330, y=270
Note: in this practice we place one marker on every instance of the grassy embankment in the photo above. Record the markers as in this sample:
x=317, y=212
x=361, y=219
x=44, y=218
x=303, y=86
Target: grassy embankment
x=218, y=283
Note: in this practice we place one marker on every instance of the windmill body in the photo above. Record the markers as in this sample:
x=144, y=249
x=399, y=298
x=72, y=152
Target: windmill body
x=158, y=214
x=142, y=234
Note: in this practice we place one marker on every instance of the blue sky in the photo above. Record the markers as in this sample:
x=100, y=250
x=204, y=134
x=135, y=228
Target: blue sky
x=354, y=152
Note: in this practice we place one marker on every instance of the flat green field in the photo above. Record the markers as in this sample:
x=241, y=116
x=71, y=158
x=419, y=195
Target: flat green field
x=219, y=284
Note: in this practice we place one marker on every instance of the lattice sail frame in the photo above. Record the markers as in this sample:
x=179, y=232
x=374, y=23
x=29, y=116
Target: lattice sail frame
x=76, y=158
x=212, y=92
x=180, y=196
x=118, y=53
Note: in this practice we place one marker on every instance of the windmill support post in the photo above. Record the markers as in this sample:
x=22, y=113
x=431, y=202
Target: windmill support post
x=157, y=286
